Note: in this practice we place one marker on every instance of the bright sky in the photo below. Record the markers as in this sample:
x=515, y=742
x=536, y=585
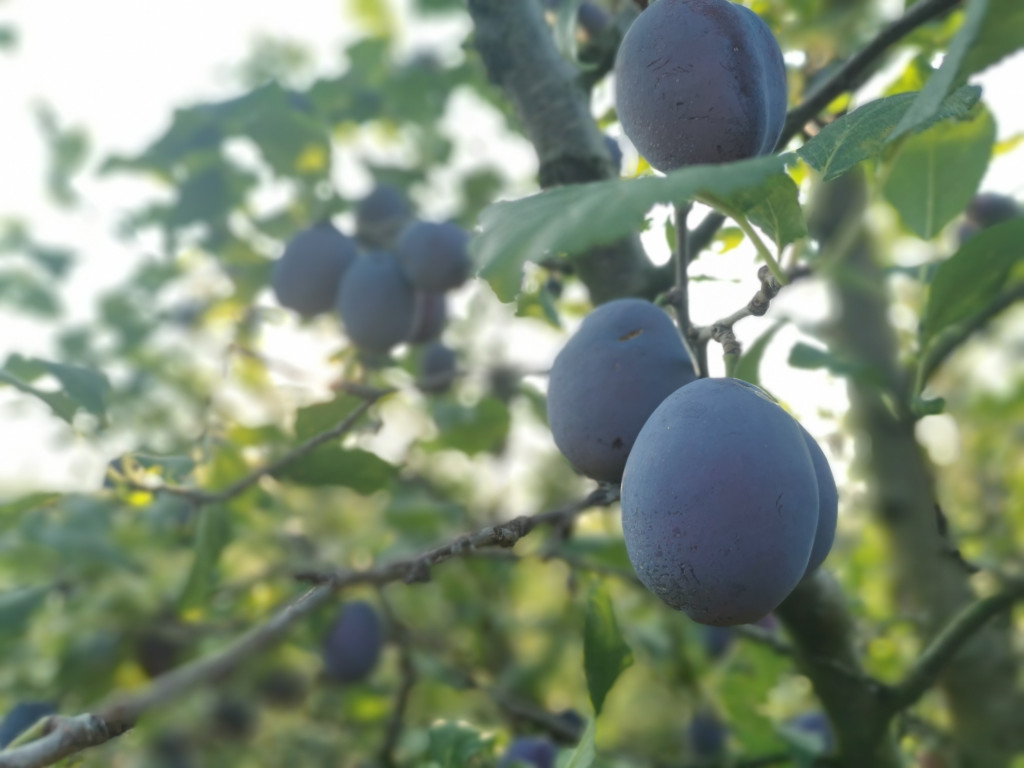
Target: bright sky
x=119, y=67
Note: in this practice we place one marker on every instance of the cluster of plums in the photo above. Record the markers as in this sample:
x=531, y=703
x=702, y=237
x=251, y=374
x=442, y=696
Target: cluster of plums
x=388, y=283
x=700, y=81
x=727, y=502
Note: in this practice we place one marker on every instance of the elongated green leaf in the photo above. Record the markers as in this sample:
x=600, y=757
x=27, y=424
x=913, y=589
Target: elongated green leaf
x=586, y=751
x=808, y=357
x=749, y=365
x=213, y=534
x=573, y=219
x=965, y=283
x=1001, y=33
x=862, y=134
x=472, y=429
x=314, y=419
x=936, y=173
x=605, y=652
x=81, y=387
x=929, y=101
x=353, y=468
x=16, y=609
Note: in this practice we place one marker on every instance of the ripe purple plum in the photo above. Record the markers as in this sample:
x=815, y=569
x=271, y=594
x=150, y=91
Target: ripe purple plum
x=377, y=303
x=430, y=313
x=437, y=368
x=626, y=357
x=720, y=503
x=700, y=81
x=435, y=257
x=307, y=275
x=828, y=504
x=353, y=643
x=381, y=215
x=534, y=752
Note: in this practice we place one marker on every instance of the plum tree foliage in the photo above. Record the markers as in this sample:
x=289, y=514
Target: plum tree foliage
x=469, y=463
x=700, y=81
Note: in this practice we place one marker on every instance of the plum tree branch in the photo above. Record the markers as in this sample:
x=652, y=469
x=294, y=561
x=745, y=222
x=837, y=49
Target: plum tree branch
x=859, y=66
x=69, y=735
x=944, y=646
x=199, y=496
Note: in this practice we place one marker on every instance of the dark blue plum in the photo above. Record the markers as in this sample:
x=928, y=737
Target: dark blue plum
x=381, y=215
x=991, y=208
x=307, y=275
x=814, y=726
x=430, y=313
x=626, y=357
x=377, y=303
x=720, y=503
x=23, y=716
x=828, y=504
x=706, y=735
x=700, y=81
x=716, y=640
x=353, y=644
x=437, y=368
x=529, y=752
x=435, y=257
x=592, y=18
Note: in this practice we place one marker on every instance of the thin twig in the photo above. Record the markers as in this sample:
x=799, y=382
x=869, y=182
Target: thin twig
x=948, y=643
x=396, y=721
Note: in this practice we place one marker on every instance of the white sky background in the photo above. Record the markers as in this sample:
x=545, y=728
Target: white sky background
x=120, y=67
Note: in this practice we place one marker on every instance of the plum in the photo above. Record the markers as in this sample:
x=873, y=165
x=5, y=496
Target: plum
x=592, y=18
x=381, y=215
x=626, y=357
x=720, y=503
x=700, y=81
x=828, y=504
x=706, y=735
x=437, y=368
x=990, y=208
x=353, y=643
x=813, y=726
x=526, y=751
x=430, y=313
x=435, y=257
x=717, y=640
x=23, y=716
x=307, y=275
x=377, y=303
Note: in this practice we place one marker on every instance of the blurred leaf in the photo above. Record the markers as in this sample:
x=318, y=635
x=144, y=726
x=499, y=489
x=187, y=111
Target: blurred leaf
x=586, y=751
x=452, y=744
x=471, y=429
x=936, y=173
x=28, y=293
x=605, y=652
x=8, y=37
x=69, y=148
x=1001, y=33
x=863, y=133
x=808, y=357
x=321, y=417
x=574, y=218
x=373, y=16
x=360, y=470
x=774, y=207
x=749, y=364
x=929, y=101
x=212, y=535
x=965, y=283
x=17, y=607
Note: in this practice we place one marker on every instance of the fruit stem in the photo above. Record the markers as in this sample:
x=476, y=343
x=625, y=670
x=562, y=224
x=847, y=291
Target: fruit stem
x=681, y=294
x=758, y=243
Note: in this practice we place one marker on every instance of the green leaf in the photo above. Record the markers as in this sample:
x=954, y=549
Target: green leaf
x=354, y=468
x=965, y=283
x=1001, y=33
x=452, y=744
x=479, y=428
x=605, y=652
x=16, y=609
x=811, y=358
x=929, y=101
x=586, y=751
x=575, y=218
x=936, y=173
x=748, y=366
x=862, y=134
x=213, y=534
x=316, y=419
x=775, y=208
